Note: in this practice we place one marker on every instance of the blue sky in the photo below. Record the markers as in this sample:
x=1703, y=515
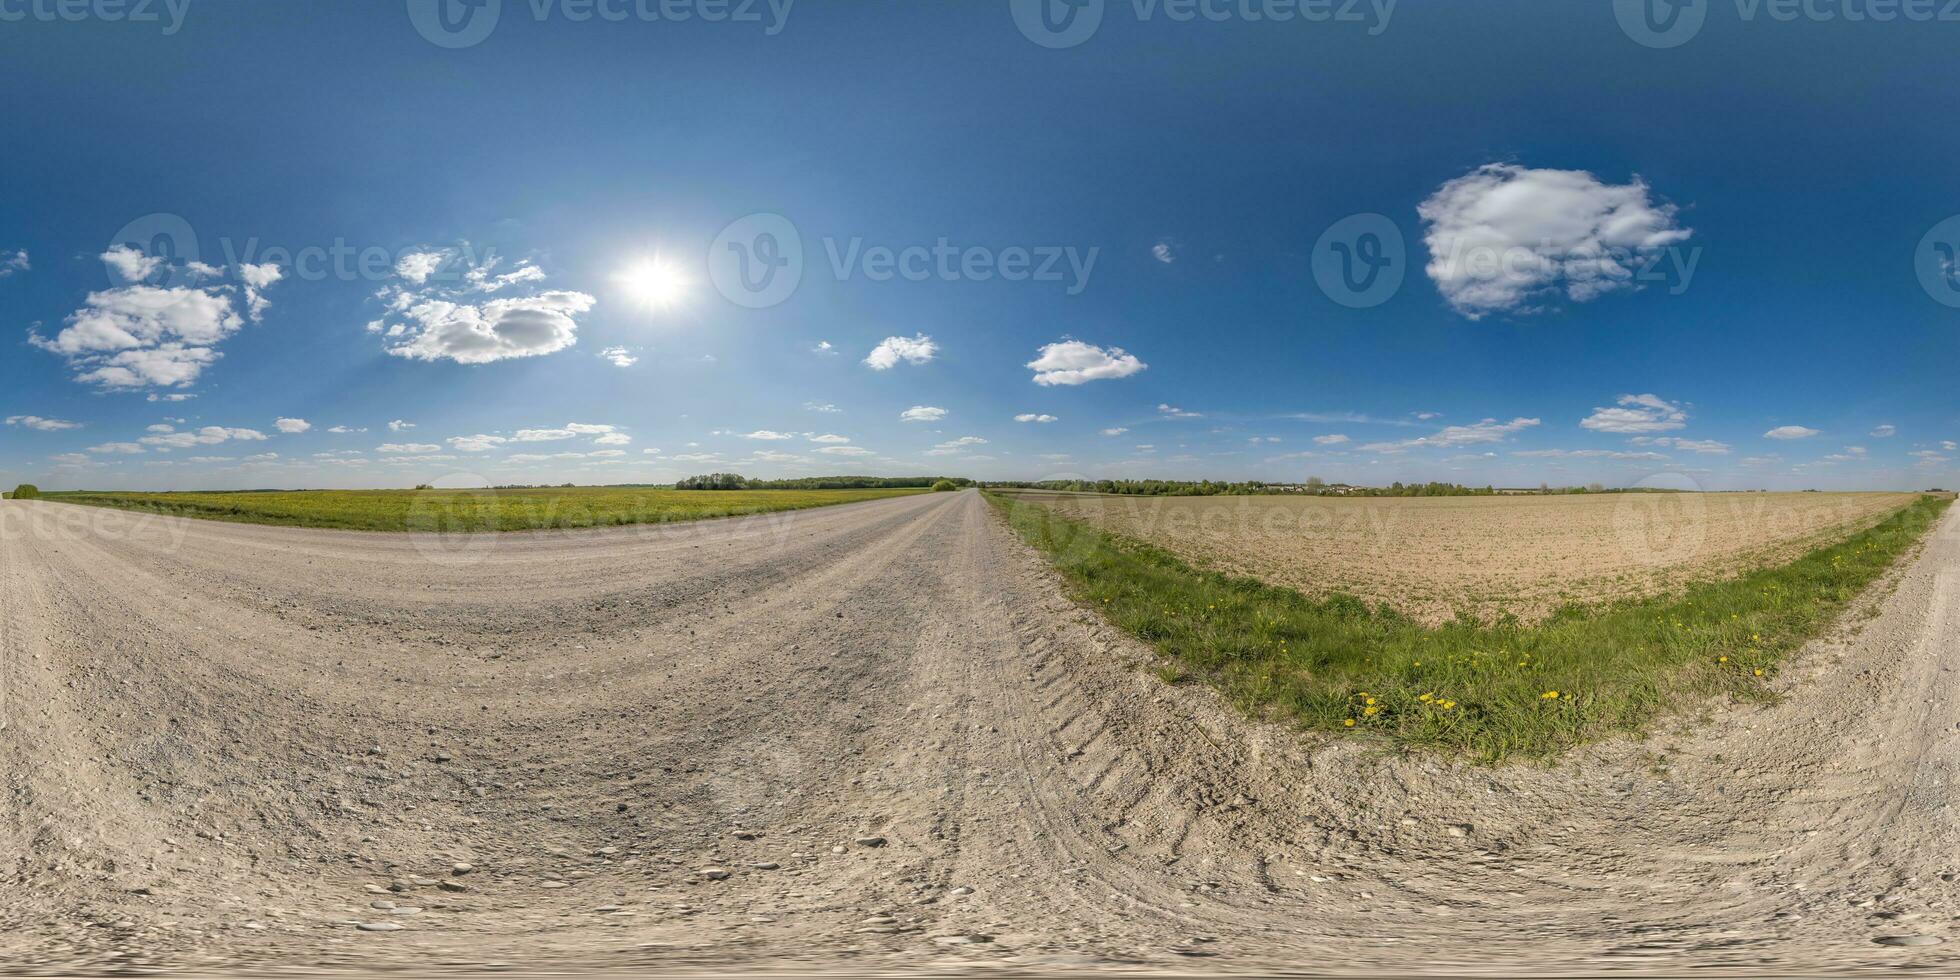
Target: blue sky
x=1715, y=264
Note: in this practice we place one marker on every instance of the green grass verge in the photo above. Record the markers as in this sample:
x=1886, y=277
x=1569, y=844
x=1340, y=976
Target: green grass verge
x=458, y=511
x=1494, y=691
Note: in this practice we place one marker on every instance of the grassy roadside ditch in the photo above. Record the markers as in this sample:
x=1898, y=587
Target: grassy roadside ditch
x=1494, y=691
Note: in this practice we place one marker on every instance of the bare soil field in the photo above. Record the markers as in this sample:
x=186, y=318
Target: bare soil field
x=865, y=738
x=1431, y=557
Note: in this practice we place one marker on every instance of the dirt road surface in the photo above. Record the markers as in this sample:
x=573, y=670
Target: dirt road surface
x=870, y=738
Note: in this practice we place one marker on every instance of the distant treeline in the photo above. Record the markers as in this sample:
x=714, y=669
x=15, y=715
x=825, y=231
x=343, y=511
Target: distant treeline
x=1314, y=486
x=736, y=481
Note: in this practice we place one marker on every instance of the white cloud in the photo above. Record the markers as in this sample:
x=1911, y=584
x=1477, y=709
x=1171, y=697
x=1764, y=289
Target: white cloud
x=1031, y=417
x=845, y=451
x=1790, y=432
x=1589, y=454
x=40, y=424
x=1330, y=440
x=1503, y=236
x=117, y=447
x=824, y=407
x=1117, y=431
x=891, y=350
x=209, y=435
x=541, y=435
x=1072, y=362
x=1488, y=430
x=830, y=438
x=16, y=262
x=620, y=357
x=175, y=397
x=1636, y=414
x=922, y=413
x=417, y=267
x=1163, y=252
x=140, y=336
x=697, y=458
x=400, y=425
x=1705, y=447
x=1885, y=432
x=768, y=434
x=497, y=330
x=292, y=426
x=160, y=427
x=1172, y=411
x=824, y=347
x=613, y=439
x=407, y=448
x=1949, y=445
x=475, y=444
x=341, y=430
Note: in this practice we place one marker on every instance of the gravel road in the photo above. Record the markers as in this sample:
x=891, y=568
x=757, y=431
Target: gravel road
x=871, y=737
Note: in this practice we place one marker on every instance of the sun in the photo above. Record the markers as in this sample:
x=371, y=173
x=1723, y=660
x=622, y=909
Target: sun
x=654, y=283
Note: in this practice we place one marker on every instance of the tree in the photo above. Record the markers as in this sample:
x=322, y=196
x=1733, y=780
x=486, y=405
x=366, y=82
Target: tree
x=943, y=486
x=26, y=491
x=1315, y=483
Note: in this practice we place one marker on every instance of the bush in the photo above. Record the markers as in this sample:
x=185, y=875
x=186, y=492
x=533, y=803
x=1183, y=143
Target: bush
x=26, y=491
x=943, y=486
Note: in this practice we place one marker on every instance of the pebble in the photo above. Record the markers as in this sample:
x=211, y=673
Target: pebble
x=381, y=904
x=962, y=890
x=765, y=865
x=378, y=926
x=555, y=884
x=714, y=874
x=452, y=886
x=962, y=940
x=871, y=841
x=1908, y=940
x=461, y=868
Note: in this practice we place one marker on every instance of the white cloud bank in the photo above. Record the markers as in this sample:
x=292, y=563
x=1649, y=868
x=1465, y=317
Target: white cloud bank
x=892, y=350
x=440, y=316
x=1072, y=362
x=1503, y=237
x=143, y=336
x=1637, y=414
x=40, y=424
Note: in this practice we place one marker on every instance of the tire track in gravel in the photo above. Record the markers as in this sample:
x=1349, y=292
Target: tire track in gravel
x=869, y=736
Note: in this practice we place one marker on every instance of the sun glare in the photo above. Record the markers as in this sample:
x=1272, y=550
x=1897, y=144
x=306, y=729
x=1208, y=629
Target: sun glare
x=654, y=283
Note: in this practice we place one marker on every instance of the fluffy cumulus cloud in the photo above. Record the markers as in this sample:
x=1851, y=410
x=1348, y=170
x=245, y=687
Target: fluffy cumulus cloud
x=400, y=425
x=892, y=350
x=1031, y=417
x=1486, y=431
x=922, y=413
x=13, y=261
x=1502, y=238
x=1637, y=414
x=292, y=426
x=40, y=424
x=1790, y=432
x=620, y=357
x=146, y=336
x=435, y=313
x=1072, y=362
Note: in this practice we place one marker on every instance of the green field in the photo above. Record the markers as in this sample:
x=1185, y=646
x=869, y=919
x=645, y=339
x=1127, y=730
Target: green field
x=471, y=510
x=1492, y=690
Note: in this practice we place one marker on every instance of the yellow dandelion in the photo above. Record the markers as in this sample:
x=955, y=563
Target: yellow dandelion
x=1349, y=723
x=1548, y=695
